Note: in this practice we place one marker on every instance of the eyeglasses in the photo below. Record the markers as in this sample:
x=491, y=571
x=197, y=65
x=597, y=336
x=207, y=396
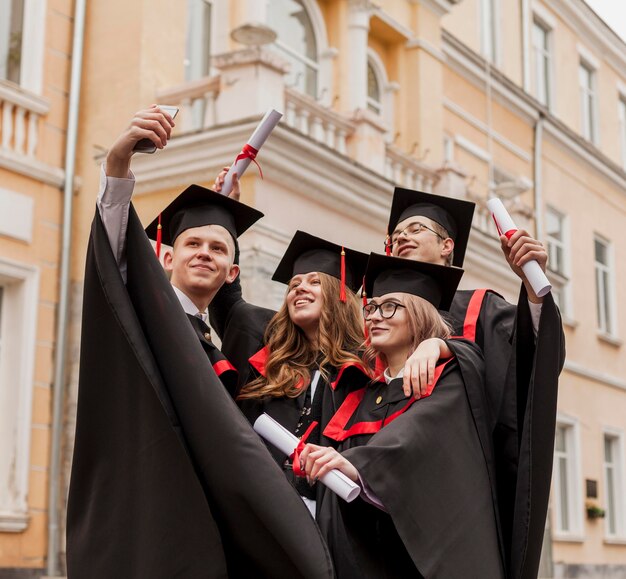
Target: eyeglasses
x=387, y=309
x=411, y=229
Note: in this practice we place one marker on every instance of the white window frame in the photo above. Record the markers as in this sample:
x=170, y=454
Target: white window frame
x=33, y=37
x=547, y=55
x=621, y=114
x=387, y=90
x=607, y=327
x=575, y=503
x=17, y=361
x=589, y=128
x=325, y=54
x=617, y=436
x=489, y=18
x=561, y=278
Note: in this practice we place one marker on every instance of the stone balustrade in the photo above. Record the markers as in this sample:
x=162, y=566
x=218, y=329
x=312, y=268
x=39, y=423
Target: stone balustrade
x=20, y=113
x=196, y=101
x=407, y=171
x=316, y=121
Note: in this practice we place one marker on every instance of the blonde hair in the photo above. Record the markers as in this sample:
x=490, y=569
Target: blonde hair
x=423, y=321
x=291, y=355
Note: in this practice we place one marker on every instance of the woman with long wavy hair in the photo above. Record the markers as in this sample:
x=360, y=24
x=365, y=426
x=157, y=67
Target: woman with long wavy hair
x=317, y=332
x=425, y=466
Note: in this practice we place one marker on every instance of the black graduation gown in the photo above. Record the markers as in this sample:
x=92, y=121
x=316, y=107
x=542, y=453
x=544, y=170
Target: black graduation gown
x=430, y=462
x=287, y=411
x=240, y=325
x=220, y=364
x=168, y=479
x=519, y=371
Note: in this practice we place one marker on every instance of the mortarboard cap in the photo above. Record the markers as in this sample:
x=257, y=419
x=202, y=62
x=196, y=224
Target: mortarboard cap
x=197, y=206
x=434, y=283
x=455, y=215
x=307, y=253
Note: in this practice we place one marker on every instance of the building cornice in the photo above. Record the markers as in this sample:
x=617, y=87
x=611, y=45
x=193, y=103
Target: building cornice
x=288, y=157
x=32, y=168
x=594, y=375
x=597, y=33
x=439, y=7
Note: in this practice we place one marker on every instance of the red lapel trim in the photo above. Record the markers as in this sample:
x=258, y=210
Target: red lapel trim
x=259, y=360
x=222, y=366
x=472, y=313
x=336, y=427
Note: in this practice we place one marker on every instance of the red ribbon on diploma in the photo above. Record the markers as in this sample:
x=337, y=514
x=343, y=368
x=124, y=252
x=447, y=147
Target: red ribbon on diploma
x=508, y=233
x=249, y=152
x=295, y=455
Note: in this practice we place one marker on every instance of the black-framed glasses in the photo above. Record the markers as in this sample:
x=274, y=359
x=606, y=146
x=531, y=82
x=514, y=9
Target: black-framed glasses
x=387, y=309
x=411, y=229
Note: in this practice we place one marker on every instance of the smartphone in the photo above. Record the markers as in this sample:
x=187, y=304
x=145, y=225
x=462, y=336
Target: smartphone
x=146, y=145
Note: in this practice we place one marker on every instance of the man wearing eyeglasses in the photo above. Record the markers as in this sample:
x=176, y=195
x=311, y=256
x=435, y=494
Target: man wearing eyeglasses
x=524, y=351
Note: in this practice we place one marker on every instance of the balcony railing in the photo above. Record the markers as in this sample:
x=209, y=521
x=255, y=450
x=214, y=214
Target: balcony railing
x=19, y=120
x=196, y=101
x=407, y=171
x=317, y=122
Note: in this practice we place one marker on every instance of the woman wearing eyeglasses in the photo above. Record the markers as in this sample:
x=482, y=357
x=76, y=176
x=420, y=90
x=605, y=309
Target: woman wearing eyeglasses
x=428, y=504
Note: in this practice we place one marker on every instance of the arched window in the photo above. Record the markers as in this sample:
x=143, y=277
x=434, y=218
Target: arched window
x=11, y=25
x=374, y=91
x=297, y=43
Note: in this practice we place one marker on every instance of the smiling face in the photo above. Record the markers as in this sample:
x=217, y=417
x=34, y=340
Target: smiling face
x=424, y=246
x=304, y=302
x=390, y=336
x=201, y=262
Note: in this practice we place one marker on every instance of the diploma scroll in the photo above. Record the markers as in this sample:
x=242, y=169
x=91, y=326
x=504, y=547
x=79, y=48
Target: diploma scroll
x=251, y=148
x=286, y=442
x=532, y=270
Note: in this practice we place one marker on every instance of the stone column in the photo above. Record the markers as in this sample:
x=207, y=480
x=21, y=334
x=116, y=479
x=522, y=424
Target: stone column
x=358, y=28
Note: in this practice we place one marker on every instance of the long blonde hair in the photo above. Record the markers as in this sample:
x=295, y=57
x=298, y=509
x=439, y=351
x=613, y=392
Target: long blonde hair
x=423, y=321
x=291, y=355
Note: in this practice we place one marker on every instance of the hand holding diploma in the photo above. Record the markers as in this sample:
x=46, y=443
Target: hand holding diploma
x=287, y=442
x=525, y=254
x=251, y=148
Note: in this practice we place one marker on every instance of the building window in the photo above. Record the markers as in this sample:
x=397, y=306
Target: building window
x=11, y=29
x=622, y=128
x=613, y=486
x=542, y=63
x=18, y=321
x=373, y=89
x=568, y=507
x=604, y=286
x=296, y=42
x=489, y=29
x=586, y=76
x=198, y=46
x=558, y=262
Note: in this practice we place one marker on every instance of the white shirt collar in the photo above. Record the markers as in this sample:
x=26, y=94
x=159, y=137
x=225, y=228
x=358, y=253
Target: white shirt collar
x=189, y=307
x=388, y=377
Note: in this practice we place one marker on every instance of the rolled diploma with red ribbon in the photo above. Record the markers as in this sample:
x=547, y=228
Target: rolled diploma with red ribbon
x=532, y=270
x=286, y=442
x=251, y=148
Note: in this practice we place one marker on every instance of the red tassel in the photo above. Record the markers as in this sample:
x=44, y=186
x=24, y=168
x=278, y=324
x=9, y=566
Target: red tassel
x=364, y=298
x=387, y=246
x=159, y=236
x=342, y=291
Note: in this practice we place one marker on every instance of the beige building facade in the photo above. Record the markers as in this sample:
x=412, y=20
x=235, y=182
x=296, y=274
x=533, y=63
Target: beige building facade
x=522, y=99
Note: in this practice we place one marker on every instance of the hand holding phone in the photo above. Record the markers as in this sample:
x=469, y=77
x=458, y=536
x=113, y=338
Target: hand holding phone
x=146, y=145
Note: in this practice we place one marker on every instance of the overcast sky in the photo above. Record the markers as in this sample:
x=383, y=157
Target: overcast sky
x=613, y=12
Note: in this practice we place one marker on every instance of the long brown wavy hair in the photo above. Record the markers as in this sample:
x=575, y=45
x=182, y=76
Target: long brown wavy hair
x=424, y=321
x=291, y=355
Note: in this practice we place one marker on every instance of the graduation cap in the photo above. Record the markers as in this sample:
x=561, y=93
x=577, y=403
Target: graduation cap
x=197, y=206
x=455, y=215
x=435, y=283
x=307, y=253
